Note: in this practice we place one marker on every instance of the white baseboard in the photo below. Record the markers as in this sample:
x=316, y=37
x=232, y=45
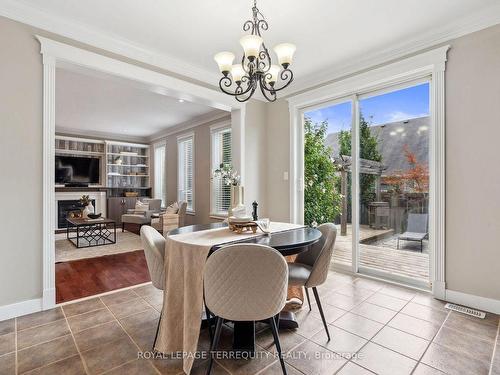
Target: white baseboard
x=439, y=289
x=470, y=300
x=20, y=308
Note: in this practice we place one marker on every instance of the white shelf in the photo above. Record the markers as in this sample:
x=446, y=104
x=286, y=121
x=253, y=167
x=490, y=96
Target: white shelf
x=128, y=155
x=77, y=152
x=128, y=165
x=127, y=175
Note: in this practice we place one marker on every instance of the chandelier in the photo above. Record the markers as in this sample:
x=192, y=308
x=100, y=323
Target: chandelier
x=256, y=68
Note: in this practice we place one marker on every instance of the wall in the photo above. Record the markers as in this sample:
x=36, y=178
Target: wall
x=473, y=181
x=21, y=177
x=472, y=164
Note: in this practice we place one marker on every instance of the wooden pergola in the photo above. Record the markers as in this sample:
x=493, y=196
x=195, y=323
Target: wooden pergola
x=344, y=164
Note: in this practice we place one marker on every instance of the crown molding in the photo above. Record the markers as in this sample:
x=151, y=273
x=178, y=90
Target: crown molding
x=61, y=130
x=474, y=22
x=78, y=31
x=190, y=124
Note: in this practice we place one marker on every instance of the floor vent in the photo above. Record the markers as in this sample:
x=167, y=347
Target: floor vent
x=465, y=310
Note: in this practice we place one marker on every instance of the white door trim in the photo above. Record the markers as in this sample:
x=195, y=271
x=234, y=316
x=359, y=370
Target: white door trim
x=56, y=54
x=427, y=64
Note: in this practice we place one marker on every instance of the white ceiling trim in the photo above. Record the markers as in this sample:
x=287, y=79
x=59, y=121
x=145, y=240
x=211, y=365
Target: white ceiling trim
x=84, y=33
x=474, y=22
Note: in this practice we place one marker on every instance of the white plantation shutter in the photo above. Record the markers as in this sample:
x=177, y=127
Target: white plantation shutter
x=160, y=191
x=221, y=153
x=186, y=171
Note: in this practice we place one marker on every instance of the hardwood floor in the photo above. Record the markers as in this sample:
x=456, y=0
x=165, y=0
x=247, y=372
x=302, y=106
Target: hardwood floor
x=88, y=277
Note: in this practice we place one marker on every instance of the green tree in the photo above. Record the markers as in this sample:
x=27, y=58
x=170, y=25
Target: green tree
x=321, y=198
x=368, y=150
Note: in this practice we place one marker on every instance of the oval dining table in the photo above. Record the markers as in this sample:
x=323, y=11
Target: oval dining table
x=290, y=242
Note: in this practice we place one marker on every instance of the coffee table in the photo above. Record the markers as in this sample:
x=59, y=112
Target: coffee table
x=90, y=233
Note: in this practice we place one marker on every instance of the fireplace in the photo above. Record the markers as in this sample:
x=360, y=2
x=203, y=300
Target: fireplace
x=69, y=208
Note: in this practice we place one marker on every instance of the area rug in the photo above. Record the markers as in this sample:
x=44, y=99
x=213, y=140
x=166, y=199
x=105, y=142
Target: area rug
x=125, y=242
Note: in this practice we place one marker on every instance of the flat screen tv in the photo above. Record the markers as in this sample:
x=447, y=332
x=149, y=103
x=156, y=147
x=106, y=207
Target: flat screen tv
x=75, y=169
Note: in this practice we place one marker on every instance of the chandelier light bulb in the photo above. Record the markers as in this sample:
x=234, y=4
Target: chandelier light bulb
x=285, y=52
x=272, y=75
x=237, y=72
x=225, y=61
x=251, y=45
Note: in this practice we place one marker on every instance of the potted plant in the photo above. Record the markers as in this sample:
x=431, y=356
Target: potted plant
x=231, y=178
x=88, y=208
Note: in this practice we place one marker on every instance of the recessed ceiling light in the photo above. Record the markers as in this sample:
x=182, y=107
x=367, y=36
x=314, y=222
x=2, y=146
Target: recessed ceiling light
x=180, y=100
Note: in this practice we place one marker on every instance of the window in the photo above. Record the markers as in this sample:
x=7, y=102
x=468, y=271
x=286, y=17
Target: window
x=160, y=191
x=220, y=154
x=185, y=170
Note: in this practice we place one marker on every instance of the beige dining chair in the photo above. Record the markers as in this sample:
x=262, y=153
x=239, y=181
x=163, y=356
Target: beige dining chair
x=154, y=250
x=310, y=268
x=245, y=282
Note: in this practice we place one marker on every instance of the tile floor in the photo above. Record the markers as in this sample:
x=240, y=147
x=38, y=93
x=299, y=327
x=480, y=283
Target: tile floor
x=375, y=327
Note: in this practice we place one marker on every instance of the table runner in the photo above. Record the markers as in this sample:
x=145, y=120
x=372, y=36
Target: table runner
x=185, y=257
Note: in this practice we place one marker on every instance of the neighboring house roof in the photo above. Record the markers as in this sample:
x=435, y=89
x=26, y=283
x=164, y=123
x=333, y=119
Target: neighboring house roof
x=392, y=137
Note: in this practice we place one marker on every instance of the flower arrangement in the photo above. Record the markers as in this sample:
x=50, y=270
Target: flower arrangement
x=229, y=176
x=85, y=200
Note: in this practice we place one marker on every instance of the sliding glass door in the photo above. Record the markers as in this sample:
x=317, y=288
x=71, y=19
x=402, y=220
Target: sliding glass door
x=378, y=192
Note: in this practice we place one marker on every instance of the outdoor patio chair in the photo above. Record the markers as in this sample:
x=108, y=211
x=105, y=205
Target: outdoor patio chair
x=416, y=229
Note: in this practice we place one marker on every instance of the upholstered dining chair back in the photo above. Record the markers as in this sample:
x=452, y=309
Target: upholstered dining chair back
x=154, y=250
x=245, y=282
x=319, y=255
x=182, y=213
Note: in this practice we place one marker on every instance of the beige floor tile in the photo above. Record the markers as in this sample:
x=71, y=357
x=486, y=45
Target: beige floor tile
x=415, y=326
x=68, y=366
x=154, y=299
x=374, y=312
x=88, y=320
x=425, y=313
x=147, y=290
x=401, y=342
x=8, y=364
x=384, y=361
x=248, y=366
x=490, y=318
x=479, y=349
x=102, y=334
x=341, y=301
x=332, y=313
x=288, y=340
x=7, y=326
x=82, y=307
x=351, y=368
x=201, y=369
x=398, y=292
x=275, y=369
x=428, y=300
x=144, y=336
x=43, y=354
x=7, y=343
x=355, y=291
x=118, y=297
x=374, y=285
x=495, y=366
x=423, y=369
x=342, y=342
x=110, y=355
x=309, y=326
x=138, y=321
x=121, y=310
x=472, y=327
x=386, y=301
x=39, y=334
x=452, y=362
x=137, y=367
x=39, y=318
x=358, y=325
x=313, y=359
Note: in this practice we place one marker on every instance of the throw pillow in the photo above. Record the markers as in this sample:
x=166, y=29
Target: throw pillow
x=173, y=208
x=141, y=206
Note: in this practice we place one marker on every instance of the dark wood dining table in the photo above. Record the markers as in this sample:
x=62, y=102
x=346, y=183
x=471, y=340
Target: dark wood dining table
x=290, y=242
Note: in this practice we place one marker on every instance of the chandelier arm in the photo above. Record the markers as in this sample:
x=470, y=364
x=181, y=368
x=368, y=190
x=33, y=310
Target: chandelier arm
x=242, y=99
x=286, y=76
x=228, y=82
x=262, y=64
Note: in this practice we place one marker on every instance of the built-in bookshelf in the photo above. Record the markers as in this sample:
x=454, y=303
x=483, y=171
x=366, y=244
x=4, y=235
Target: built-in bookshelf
x=127, y=165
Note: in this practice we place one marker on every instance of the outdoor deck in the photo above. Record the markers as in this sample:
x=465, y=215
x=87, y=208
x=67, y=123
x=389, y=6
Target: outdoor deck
x=378, y=251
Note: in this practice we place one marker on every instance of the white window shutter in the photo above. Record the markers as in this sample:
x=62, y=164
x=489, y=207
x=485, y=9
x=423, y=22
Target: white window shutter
x=221, y=154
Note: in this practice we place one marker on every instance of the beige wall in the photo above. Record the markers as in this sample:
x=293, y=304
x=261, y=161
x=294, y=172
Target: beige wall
x=21, y=176
x=472, y=160
x=472, y=164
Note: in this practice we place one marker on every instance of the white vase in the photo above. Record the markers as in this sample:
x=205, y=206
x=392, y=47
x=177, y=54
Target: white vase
x=89, y=209
x=237, y=198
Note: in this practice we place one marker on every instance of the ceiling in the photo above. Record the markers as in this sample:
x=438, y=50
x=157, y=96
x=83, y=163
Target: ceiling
x=187, y=33
x=91, y=102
